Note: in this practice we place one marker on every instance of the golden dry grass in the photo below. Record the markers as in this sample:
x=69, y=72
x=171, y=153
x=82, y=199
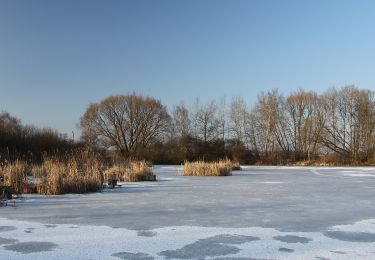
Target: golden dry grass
x=132, y=171
x=201, y=168
x=234, y=164
x=79, y=173
x=15, y=175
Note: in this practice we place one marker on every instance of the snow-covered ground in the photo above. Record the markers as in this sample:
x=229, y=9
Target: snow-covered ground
x=258, y=213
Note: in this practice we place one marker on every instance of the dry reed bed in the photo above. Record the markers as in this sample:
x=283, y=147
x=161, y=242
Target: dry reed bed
x=132, y=171
x=73, y=176
x=235, y=165
x=79, y=172
x=15, y=175
x=201, y=168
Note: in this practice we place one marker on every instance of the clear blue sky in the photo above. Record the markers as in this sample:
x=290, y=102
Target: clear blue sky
x=58, y=56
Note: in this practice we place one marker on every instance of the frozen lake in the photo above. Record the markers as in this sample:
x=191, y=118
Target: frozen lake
x=258, y=213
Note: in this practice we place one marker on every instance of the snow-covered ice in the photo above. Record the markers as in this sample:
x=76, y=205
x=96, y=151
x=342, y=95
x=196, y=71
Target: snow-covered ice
x=260, y=212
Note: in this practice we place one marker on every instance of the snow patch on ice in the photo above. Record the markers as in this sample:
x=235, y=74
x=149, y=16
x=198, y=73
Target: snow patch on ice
x=102, y=242
x=359, y=175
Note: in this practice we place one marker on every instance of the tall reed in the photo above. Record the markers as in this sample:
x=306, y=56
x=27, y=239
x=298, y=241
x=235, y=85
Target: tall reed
x=15, y=174
x=132, y=171
x=202, y=168
x=80, y=172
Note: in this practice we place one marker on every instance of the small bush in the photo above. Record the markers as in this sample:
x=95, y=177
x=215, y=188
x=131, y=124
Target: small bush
x=201, y=168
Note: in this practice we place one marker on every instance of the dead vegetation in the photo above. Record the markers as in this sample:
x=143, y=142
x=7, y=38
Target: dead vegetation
x=15, y=175
x=132, y=171
x=79, y=173
x=202, y=168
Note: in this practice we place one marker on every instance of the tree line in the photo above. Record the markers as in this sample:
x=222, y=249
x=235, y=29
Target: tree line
x=337, y=126
x=30, y=143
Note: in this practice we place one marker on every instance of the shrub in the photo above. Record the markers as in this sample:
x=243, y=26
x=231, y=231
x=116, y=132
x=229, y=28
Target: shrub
x=201, y=168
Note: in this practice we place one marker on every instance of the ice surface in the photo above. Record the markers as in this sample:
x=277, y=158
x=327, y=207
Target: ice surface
x=260, y=212
x=186, y=242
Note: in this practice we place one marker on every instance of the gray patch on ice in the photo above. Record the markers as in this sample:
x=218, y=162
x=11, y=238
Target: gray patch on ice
x=292, y=239
x=74, y=227
x=147, y=233
x=322, y=258
x=133, y=256
x=230, y=239
x=348, y=236
x=209, y=247
x=287, y=250
x=31, y=247
x=7, y=228
x=29, y=230
x=6, y=241
x=339, y=252
x=50, y=226
x=240, y=258
x=200, y=250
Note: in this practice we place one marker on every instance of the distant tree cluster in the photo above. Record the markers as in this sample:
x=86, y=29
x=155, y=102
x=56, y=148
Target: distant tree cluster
x=24, y=142
x=337, y=125
x=128, y=124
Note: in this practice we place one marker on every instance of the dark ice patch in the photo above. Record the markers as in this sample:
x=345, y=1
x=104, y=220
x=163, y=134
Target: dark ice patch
x=240, y=258
x=50, y=226
x=31, y=247
x=200, y=250
x=209, y=247
x=292, y=239
x=147, y=233
x=339, y=252
x=287, y=250
x=348, y=236
x=29, y=230
x=322, y=258
x=6, y=241
x=230, y=239
x=133, y=256
x=7, y=228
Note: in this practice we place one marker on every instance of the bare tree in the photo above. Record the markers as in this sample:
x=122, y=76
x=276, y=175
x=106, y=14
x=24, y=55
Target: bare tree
x=126, y=122
x=9, y=125
x=350, y=125
x=237, y=118
x=304, y=122
x=266, y=115
x=181, y=121
x=205, y=120
x=222, y=117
